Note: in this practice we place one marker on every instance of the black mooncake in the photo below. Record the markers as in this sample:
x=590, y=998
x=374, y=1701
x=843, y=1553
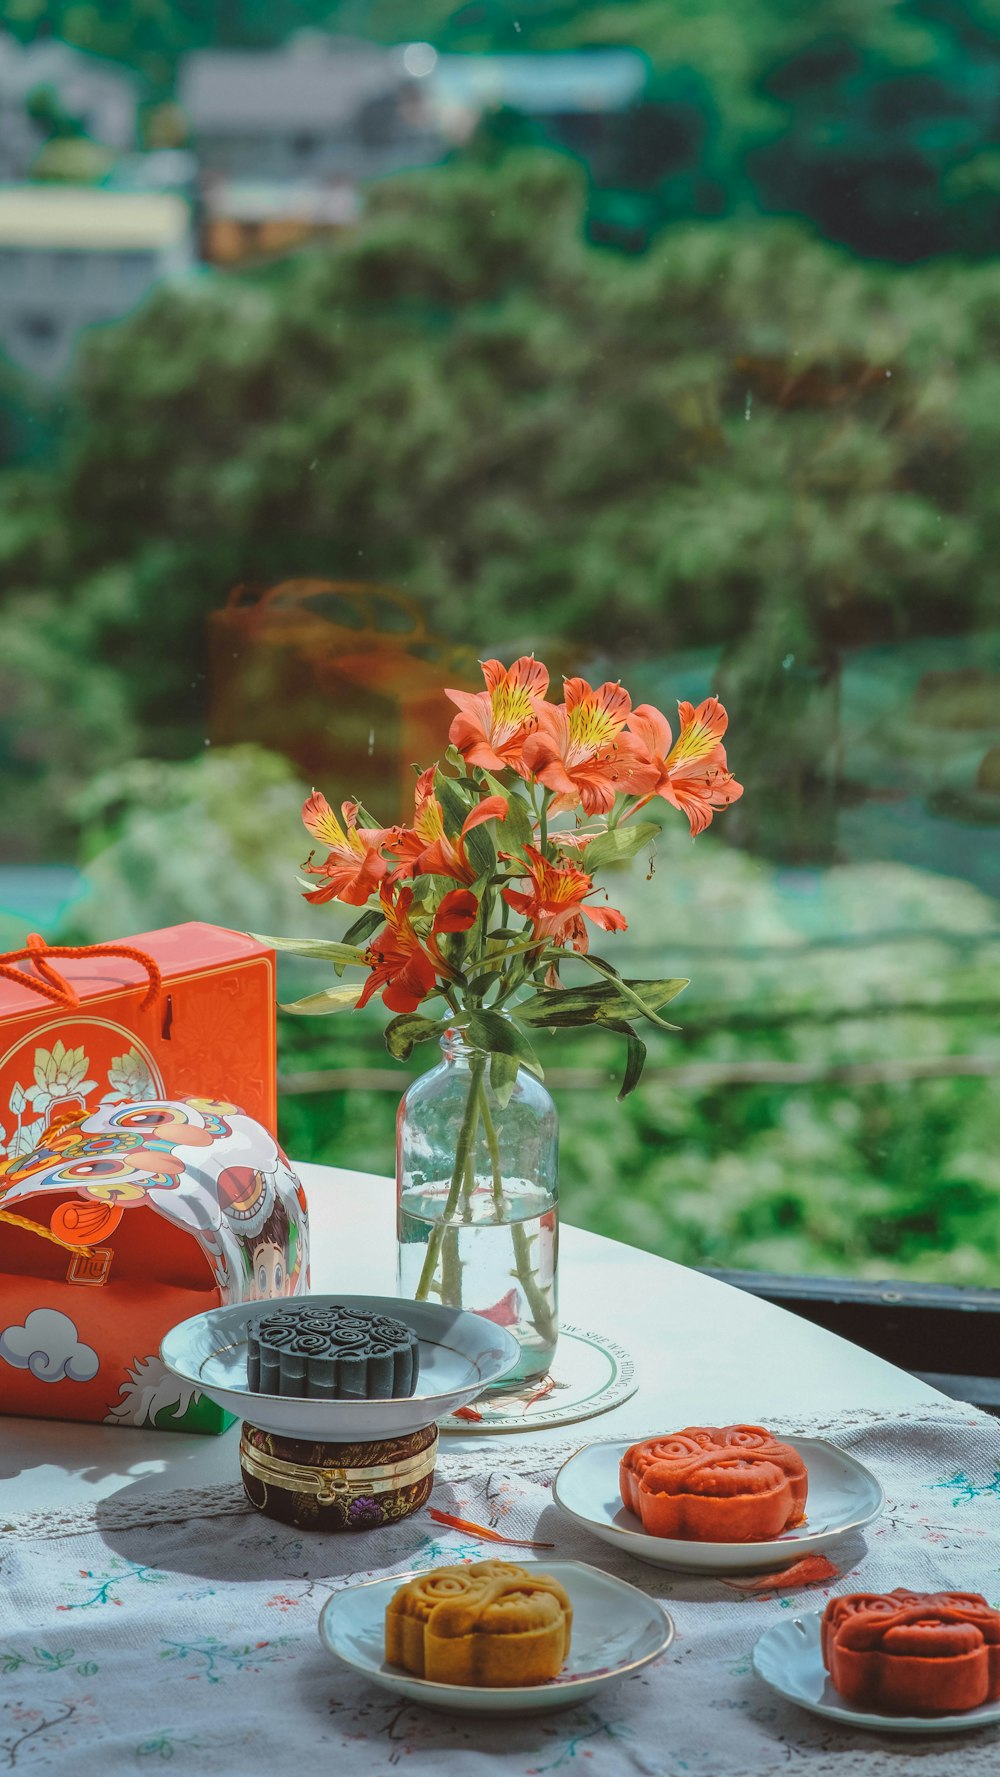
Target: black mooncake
x=332, y=1354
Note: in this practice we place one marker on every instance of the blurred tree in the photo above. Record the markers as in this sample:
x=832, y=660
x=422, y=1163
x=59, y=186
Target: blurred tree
x=890, y=159
x=208, y=838
x=64, y=713
x=49, y=115
x=739, y=438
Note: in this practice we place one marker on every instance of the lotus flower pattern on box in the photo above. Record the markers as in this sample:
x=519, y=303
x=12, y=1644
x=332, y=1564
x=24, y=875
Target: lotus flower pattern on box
x=187, y=1009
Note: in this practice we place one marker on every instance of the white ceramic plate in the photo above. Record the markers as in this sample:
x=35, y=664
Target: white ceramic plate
x=616, y=1630
x=589, y=1375
x=460, y=1355
x=843, y=1496
x=789, y=1658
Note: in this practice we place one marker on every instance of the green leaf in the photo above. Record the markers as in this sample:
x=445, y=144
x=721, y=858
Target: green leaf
x=503, y=1076
x=333, y=999
x=635, y=1060
x=519, y=827
x=638, y=1001
x=427, y=892
x=363, y=928
x=409, y=1028
x=454, y=758
x=459, y=946
x=619, y=845
x=488, y=1030
x=455, y=804
x=369, y=922
x=326, y=949
x=481, y=850
x=604, y=1003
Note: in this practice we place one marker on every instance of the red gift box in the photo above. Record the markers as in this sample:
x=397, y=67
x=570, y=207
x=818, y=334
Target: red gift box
x=186, y=1010
x=123, y=1222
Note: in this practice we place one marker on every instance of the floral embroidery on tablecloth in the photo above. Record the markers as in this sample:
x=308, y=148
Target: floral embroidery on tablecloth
x=578, y=1744
x=167, y=1745
x=221, y=1661
x=37, y=1729
x=41, y=1659
x=102, y=1587
x=969, y=1491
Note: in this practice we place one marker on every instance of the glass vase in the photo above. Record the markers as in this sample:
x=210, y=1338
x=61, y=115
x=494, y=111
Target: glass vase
x=477, y=1199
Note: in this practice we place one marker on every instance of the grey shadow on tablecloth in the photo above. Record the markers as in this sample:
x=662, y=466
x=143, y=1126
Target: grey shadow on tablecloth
x=244, y=1544
x=26, y=1445
x=385, y=1727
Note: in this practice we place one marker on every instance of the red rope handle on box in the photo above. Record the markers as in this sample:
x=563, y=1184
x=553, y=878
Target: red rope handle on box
x=53, y=986
x=44, y=1233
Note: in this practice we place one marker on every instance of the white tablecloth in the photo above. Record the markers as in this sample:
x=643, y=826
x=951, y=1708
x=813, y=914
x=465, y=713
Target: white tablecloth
x=194, y=1643
x=149, y=1618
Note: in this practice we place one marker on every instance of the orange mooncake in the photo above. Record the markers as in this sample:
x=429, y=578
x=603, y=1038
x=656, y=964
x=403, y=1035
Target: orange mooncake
x=717, y=1484
x=490, y=1623
x=913, y=1653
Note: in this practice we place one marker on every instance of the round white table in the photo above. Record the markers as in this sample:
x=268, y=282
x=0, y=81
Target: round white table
x=703, y=1352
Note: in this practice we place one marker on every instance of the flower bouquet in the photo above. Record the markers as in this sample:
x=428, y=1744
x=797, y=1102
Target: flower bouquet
x=467, y=918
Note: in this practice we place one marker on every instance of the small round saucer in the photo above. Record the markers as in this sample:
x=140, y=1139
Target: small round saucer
x=590, y=1374
x=460, y=1355
x=616, y=1630
x=789, y=1658
x=843, y=1497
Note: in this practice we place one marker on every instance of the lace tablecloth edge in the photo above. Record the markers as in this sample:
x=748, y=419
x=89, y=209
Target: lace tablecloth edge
x=500, y=1451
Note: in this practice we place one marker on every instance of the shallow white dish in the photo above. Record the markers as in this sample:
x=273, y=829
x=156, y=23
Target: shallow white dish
x=843, y=1497
x=460, y=1355
x=789, y=1658
x=616, y=1630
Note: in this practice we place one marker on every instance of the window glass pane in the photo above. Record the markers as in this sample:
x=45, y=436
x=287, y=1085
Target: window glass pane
x=660, y=342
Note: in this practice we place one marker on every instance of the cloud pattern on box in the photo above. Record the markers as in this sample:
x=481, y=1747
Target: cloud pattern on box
x=49, y=1346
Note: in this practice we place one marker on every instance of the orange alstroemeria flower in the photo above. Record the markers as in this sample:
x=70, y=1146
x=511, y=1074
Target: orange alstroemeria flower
x=457, y=913
x=692, y=773
x=404, y=967
x=582, y=751
x=426, y=849
x=492, y=725
x=355, y=865
x=556, y=903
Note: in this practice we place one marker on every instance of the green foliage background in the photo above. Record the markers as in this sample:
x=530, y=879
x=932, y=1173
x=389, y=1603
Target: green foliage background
x=743, y=460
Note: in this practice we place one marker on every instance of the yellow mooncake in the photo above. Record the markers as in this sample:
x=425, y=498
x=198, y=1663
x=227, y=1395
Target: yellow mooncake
x=490, y=1623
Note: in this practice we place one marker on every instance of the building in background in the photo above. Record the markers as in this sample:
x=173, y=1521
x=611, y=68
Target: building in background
x=244, y=221
x=72, y=257
x=572, y=83
x=49, y=88
x=324, y=108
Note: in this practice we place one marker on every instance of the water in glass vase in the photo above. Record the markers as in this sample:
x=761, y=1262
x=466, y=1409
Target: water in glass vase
x=477, y=1199
x=503, y=1268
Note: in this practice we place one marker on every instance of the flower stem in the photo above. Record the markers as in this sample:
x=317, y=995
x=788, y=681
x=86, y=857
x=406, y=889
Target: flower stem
x=542, y=1318
x=451, y=1268
x=463, y=1158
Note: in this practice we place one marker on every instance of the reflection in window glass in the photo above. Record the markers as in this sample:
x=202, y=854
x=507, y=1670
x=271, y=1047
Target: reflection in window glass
x=408, y=340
